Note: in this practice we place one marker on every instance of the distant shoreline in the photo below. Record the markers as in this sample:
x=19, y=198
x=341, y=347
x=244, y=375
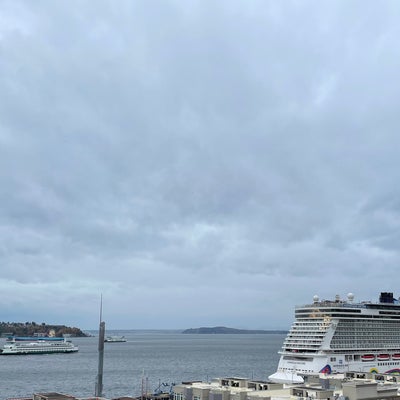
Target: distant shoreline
x=34, y=329
x=225, y=330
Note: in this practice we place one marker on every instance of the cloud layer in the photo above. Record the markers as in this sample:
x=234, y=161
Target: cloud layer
x=198, y=163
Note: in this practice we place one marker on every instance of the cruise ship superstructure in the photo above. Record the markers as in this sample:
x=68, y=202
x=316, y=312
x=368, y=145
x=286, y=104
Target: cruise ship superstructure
x=337, y=336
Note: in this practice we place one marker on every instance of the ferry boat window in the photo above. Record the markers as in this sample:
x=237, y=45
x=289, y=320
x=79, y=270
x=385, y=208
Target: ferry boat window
x=333, y=359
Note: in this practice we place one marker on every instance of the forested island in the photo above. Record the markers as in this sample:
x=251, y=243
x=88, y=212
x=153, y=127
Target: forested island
x=223, y=329
x=43, y=329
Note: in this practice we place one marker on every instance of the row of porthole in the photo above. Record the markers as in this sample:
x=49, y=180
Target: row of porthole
x=388, y=363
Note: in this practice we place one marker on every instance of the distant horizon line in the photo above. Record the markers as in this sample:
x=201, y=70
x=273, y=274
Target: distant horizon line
x=182, y=329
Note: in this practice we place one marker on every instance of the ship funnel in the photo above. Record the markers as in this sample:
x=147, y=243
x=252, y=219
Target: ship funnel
x=386, y=297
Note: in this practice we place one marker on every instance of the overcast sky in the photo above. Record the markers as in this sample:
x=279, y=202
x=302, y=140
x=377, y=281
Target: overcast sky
x=197, y=163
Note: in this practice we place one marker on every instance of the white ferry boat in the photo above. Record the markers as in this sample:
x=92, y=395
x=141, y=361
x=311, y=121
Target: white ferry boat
x=337, y=336
x=38, y=347
x=115, y=339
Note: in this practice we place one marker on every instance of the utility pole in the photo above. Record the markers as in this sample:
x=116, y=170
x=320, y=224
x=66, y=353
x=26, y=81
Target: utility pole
x=99, y=380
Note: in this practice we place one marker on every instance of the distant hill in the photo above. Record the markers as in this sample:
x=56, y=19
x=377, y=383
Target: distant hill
x=32, y=328
x=223, y=329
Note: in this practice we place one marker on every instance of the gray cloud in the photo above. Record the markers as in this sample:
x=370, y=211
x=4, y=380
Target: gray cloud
x=204, y=158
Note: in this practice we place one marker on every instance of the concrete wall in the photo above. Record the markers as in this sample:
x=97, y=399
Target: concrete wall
x=310, y=392
x=360, y=390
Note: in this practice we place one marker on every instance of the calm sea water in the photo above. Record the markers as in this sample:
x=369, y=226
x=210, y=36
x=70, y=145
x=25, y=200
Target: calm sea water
x=164, y=357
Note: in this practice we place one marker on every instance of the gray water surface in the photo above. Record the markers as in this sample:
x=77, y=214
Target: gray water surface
x=164, y=357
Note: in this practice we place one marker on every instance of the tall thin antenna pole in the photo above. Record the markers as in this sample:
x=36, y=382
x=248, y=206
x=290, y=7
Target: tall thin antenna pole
x=102, y=328
x=101, y=307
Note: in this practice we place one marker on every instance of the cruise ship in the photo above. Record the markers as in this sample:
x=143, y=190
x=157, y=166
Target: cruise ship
x=338, y=336
x=38, y=347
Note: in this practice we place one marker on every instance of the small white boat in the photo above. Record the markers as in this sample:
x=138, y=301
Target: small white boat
x=115, y=339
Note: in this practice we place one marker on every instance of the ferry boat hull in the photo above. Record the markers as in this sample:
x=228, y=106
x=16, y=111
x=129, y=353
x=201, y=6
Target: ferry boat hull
x=38, y=347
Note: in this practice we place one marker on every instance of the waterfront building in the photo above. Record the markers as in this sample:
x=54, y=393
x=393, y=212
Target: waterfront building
x=349, y=386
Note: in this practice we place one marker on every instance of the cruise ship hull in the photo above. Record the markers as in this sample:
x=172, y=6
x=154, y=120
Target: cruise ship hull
x=291, y=370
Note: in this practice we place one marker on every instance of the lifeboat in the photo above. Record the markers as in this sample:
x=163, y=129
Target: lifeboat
x=396, y=356
x=383, y=357
x=368, y=357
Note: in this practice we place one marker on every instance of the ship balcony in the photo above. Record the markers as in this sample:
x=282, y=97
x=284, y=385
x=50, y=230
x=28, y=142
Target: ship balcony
x=307, y=332
x=309, y=328
x=304, y=340
x=301, y=348
x=299, y=351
